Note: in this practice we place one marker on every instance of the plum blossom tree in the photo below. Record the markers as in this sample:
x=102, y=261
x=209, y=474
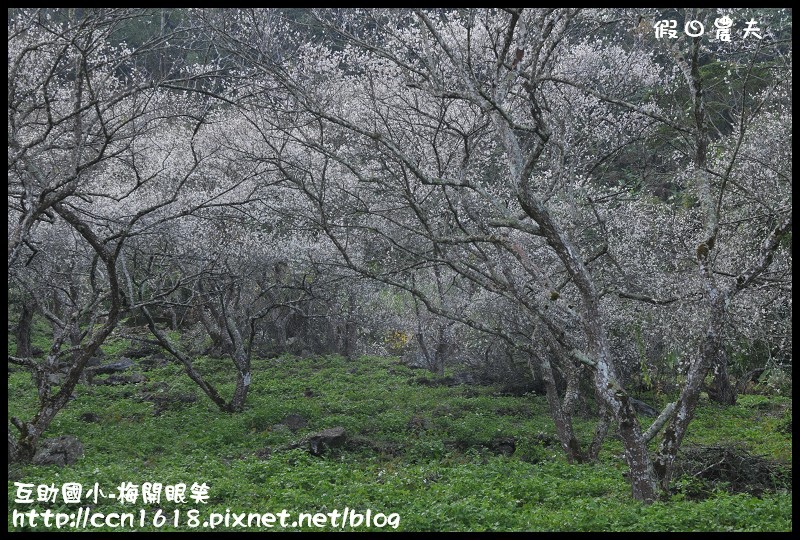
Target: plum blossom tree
x=477, y=143
x=233, y=260
x=734, y=184
x=435, y=128
x=82, y=115
x=559, y=182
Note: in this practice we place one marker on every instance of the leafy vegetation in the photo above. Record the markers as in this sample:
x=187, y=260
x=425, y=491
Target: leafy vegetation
x=218, y=206
x=421, y=451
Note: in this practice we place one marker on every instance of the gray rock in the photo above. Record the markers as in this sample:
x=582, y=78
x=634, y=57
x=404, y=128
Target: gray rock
x=325, y=439
x=415, y=360
x=141, y=350
x=155, y=361
x=61, y=451
x=643, y=408
x=163, y=400
x=113, y=380
x=294, y=422
x=505, y=446
x=124, y=364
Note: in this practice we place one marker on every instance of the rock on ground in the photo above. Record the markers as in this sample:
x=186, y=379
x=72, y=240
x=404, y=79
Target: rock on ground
x=327, y=438
x=61, y=451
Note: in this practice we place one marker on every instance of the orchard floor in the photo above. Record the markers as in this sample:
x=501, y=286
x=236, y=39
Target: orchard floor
x=427, y=457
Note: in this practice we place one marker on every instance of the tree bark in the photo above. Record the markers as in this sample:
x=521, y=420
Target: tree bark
x=241, y=358
x=710, y=349
x=350, y=327
x=722, y=390
x=442, y=347
x=188, y=366
x=240, y=393
x=50, y=404
x=607, y=387
x=22, y=332
x=562, y=417
x=714, y=352
x=600, y=433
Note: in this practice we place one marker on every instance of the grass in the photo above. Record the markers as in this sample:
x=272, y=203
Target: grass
x=421, y=452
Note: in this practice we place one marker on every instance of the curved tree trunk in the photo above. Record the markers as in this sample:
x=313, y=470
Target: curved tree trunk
x=607, y=387
x=51, y=403
x=240, y=393
x=188, y=365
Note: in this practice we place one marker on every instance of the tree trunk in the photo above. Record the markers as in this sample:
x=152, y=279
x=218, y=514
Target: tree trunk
x=240, y=394
x=23, y=330
x=188, y=366
x=213, y=330
x=350, y=328
x=642, y=475
x=711, y=348
x=600, y=433
x=607, y=388
x=241, y=358
x=562, y=417
x=722, y=389
x=50, y=404
x=713, y=351
x=442, y=348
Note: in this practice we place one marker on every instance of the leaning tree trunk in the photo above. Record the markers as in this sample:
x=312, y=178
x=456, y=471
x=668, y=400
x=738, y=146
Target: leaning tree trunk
x=722, y=390
x=213, y=330
x=616, y=400
x=607, y=387
x=711, y=348
x=240, y=393
x=562, y=415
x=600, y=433
x=240, y=357
x=184, y=359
